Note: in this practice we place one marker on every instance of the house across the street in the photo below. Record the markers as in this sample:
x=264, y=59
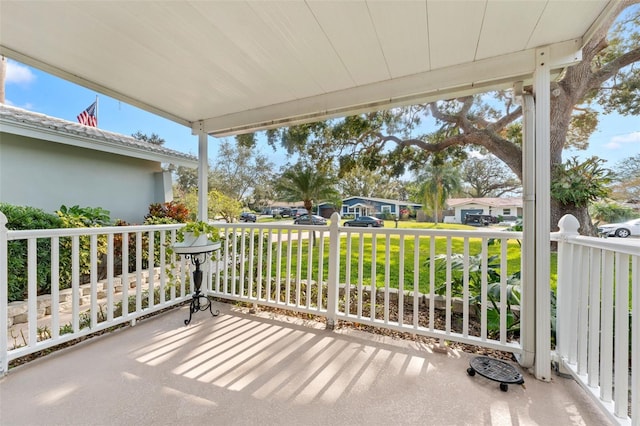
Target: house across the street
x=46, y=162
x=502, y=208
x=368, y=206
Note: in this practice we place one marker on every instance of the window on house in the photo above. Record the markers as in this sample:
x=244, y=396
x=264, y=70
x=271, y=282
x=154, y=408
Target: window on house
x=506, y=212
x=386, y=209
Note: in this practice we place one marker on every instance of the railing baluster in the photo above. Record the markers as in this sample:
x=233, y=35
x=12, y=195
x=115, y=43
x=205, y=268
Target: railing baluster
x=299, y=270
x=278, y=283
x=465, y=288
x=401, y=281
x=151, y=268
x=124, y=278
x=110, y=294
x=432, y=282
x=320, y=280
x=447, y=293
x=387, y=272
x=288, y=269
x=233, y=289
x=55, y=287
x=483, y=290
x=594, y=317
x=360, y=272
x=75, y=282
x=32, y=290
x=93, y=249
x=583, y=309
x=416, y=281
x=606, y=342
x=503, y=291
x=621, y=350
x=347, y=277
x=635, y=340
x=309, y=273
x=374, y=259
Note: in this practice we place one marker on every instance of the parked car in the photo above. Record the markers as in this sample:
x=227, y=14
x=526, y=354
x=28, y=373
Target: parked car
x=247, y=217
x=480, y=219
x=296, y=213
x=315, y=220
x=365, y=221
x=281, y=211
x=621, y=230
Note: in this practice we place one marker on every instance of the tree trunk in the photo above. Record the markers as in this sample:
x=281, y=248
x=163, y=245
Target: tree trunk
x=581, y=213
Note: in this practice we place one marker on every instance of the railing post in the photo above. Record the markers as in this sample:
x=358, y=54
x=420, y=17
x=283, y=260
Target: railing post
x=4, y=296
x=568, y=225
x=333, y=276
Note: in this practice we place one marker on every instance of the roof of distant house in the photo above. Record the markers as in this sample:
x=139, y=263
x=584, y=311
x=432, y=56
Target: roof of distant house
x=31, y=124
x=492, y=202
x=385, y=201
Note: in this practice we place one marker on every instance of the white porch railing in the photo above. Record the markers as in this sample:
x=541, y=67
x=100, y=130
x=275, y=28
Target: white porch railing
x=380, y=277
x=75, y=308
x=347, y=275
x=598, y=325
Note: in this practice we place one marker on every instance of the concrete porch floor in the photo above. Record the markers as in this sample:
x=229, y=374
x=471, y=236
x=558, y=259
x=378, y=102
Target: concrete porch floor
x=242, y=369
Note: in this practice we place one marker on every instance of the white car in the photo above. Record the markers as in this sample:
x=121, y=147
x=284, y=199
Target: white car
x=622, y=230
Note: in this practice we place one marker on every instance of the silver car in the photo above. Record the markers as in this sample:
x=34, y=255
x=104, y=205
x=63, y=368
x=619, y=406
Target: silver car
x=621, y=230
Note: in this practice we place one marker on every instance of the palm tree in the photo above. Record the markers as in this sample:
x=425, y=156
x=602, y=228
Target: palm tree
x=306, y=184
x=436, y=184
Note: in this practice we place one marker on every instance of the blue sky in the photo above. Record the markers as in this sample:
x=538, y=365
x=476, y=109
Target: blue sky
x=616, y=138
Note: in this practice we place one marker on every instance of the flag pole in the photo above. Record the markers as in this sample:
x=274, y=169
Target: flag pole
x=96, y=110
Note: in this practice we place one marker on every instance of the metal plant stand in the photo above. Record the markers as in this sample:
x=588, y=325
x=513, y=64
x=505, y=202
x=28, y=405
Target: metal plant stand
x=198, y=255
x=496, y=370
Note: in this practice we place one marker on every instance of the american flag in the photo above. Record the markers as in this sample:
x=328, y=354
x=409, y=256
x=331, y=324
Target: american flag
x=88, y=117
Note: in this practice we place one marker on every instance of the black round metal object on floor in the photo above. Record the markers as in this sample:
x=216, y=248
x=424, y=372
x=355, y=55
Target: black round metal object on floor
x=496, y=370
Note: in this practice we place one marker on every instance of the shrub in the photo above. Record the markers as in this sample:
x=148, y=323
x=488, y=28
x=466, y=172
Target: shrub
x=173, y=210
x=20, y=218
x=80, y=217
x=83, y=217
x=611, y=212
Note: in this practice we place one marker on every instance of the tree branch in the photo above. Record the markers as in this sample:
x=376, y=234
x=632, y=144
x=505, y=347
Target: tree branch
x=606, y=72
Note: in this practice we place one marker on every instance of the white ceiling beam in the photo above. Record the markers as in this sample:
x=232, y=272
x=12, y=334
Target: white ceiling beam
x=445, y=83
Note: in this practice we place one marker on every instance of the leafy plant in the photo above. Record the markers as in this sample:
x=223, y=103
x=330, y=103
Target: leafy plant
x=580, y=183
x=174, y=210
x=83, y=217
x=18, y=218
x=475, y=286
x=197, y=229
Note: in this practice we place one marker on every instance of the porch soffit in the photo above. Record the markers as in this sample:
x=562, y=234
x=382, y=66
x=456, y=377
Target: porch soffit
x=236, y=67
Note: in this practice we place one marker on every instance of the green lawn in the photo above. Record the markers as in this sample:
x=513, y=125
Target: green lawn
x=387, y=265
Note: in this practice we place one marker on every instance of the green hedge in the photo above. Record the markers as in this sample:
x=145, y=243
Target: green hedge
x=21, y=218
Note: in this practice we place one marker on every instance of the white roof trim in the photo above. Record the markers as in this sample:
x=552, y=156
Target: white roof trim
x=39, y=126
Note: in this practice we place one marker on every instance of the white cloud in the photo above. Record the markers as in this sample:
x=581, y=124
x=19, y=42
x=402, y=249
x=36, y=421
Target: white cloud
x=618, y=141
x=19, y=74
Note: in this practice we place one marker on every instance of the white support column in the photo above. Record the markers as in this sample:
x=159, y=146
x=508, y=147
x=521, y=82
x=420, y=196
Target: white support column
x=541, y=89
x=203, y=175
x=4, y=296
x=333, y=277
x=528, y=273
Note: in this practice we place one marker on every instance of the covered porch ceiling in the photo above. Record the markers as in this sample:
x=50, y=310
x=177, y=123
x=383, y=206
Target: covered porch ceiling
x=229, y=67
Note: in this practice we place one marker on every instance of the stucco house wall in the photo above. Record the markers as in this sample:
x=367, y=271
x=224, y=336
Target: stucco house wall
x=45, y=168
